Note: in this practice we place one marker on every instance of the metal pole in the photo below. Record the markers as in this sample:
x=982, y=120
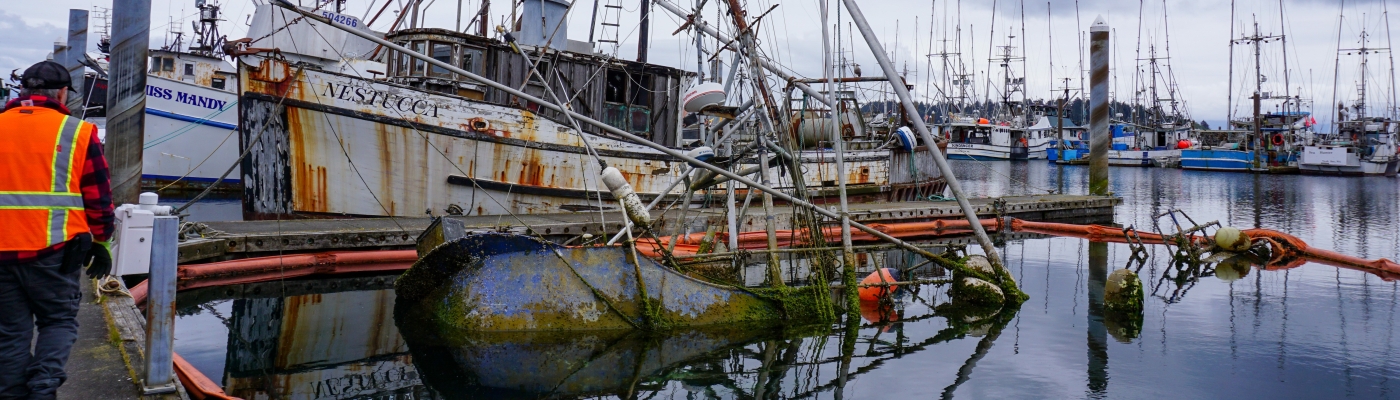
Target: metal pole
x=73, y=60
x=903, y=93
x=848, y=269
x=609, y=128
x=644, y=32
x=732, y=45
x=126, y=96
x=1098, y=108
x=158, y=376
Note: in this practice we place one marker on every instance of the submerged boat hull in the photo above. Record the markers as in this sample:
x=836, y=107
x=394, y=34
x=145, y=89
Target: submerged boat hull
x=502, y=282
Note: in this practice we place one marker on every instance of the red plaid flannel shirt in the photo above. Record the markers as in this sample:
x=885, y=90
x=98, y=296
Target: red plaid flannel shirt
x=95, y=184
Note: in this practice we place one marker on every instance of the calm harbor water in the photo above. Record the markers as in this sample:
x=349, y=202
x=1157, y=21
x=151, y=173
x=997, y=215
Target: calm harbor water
x=1310, y=332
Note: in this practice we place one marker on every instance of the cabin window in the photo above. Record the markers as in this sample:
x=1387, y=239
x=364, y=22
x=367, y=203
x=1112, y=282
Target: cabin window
x=639, y=93
x=616, y=91
x=217, y=83
x=167, y=64
x=401, y=64
x=155, y=64
x=189, y=69
x=441, y=52
x=626, y=101
x=420, y=48
x=544, y=70
x=471, y=60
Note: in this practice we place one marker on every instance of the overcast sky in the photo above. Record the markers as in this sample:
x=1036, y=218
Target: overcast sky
x=1199, y=32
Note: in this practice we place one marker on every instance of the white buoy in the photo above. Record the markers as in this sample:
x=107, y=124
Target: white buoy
x=700, y=96
x=906, y=138
x=702, y=153
x=622, y=191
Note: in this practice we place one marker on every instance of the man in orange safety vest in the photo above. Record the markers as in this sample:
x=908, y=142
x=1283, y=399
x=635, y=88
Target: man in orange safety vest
x=55, y=215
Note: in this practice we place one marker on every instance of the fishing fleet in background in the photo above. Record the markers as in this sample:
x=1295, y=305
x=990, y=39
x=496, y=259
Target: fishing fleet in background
x=337, y=114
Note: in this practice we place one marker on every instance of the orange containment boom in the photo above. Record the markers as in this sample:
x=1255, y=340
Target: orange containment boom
x=263, y=269
x=690, y=244
x=1287, y=251
x=199, y=386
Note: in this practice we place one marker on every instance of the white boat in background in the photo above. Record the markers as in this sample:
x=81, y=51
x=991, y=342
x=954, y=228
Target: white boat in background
x=1362, y=144
x=1362, y=147
x=1147, y=148
x=979, y=139
x=191, y=121
x=191, y=126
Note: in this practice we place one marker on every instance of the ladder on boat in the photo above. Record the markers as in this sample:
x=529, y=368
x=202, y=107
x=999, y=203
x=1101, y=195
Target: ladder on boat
x=609, y=29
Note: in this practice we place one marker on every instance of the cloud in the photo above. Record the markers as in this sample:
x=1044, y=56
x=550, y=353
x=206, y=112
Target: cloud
x=24, y=44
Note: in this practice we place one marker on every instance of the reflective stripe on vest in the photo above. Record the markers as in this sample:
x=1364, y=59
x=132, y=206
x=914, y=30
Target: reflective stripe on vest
x=59, y=201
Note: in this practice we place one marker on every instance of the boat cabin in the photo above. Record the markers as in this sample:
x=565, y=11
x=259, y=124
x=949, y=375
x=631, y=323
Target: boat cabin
x=640, y=98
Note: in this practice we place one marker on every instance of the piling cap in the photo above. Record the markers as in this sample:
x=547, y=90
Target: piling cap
x=1099, y=25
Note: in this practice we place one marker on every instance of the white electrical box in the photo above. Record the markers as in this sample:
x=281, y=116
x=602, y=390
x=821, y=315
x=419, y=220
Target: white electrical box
x=131, y=243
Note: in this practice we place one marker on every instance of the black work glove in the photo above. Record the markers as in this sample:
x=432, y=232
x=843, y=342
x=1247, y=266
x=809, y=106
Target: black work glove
x=101, y=255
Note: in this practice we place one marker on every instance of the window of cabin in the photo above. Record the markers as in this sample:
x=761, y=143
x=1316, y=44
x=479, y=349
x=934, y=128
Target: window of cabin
x=616, y=90
x=167, y=64
x=639, y=93
x=627, y=100
x=418, y=65
x=189, y=69
x=217, y=83
x=544, y=69
x=401, y=64
x=471, y=60
x=441, y=52
x=155, y=63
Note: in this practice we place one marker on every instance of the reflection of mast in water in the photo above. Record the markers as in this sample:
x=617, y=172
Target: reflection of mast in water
x=1097, y=333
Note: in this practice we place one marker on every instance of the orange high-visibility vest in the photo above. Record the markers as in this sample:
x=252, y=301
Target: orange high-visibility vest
x=42, y=153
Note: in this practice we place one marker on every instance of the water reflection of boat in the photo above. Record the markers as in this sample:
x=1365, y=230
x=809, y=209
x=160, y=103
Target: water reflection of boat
x=532, y=365
x=320, y=339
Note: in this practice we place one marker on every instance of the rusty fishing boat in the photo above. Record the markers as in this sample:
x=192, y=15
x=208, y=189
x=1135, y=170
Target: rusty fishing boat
x=335, y=125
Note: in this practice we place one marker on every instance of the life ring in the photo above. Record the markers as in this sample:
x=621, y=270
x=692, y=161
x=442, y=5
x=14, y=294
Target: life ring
x=1278, y=139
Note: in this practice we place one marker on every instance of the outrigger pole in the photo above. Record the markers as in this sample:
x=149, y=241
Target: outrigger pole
x=904, y=98
x=627, y=135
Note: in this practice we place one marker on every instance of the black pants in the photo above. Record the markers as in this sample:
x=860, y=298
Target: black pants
x=45, y=294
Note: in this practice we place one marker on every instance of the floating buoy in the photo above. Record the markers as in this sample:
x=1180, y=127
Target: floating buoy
x=873, y=293
x=1230, y=238
x=1183, y=144
x=983, y=121
x=906, y=138
x=700, y=96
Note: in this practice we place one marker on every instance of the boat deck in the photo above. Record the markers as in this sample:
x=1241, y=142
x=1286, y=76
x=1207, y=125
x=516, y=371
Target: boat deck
x=234, y=239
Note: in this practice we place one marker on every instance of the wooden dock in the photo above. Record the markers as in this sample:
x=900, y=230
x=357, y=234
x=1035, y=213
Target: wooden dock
x=236, y=239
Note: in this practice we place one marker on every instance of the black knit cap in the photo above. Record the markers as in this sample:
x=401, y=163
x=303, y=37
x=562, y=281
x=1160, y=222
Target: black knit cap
x=46, y=75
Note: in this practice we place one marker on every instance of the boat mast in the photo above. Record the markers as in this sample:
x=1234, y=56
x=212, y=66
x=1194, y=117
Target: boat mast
x=1258, y=90
x=1230, y=80
x=1337, y=71
x=1385, y=12
x=1287, y=91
